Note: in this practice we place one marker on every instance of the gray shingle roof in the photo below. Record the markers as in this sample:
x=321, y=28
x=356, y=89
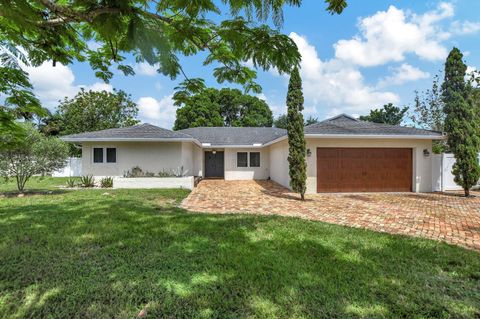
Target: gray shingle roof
x=347, y=125
x=339, y=125
x=141, y=131
x=235, y=135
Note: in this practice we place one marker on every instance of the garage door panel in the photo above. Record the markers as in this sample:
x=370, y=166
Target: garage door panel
x=364, y=169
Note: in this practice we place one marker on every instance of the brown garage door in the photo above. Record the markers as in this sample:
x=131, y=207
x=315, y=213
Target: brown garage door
x=364, y=170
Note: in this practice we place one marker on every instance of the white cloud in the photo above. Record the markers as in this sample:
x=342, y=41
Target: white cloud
x=465, y=27
x=403, y=73
x=334, y=85
x=159, y=112
x=144, y=68
x=54, y=83
x=389, y=35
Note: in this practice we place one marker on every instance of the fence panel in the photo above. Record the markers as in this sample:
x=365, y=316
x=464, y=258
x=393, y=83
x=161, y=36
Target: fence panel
x=73, y=168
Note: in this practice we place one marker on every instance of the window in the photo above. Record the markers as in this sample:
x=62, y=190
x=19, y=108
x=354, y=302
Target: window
x=242, y=159
x=254, y=159
x=111, y=155
x=98, y=155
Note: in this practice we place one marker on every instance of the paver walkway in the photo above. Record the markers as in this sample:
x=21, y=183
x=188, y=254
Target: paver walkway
x=446, y=217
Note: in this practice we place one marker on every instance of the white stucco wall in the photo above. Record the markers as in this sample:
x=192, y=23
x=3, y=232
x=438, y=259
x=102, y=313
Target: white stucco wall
x=187, y=158
x=232, y=172
x=198, y=159
x=422, y=173
x=149, y=156
x=279, y=163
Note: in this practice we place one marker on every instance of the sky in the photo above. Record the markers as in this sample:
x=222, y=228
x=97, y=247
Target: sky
x=375, y=52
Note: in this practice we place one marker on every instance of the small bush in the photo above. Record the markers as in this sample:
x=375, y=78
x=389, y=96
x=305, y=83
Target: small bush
x=106, y=182
x=71, y=182
x=87, y=181
x=136, y=171
x=149, y=174
x=165, y=173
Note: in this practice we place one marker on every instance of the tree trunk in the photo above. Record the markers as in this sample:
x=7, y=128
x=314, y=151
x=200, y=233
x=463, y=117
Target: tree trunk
x=302, y=195
x=19, y=184
x=467, y=192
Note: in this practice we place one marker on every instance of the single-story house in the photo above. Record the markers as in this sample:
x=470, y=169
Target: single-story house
x=344, y=154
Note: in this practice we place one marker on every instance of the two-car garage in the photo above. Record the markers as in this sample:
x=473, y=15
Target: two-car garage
x=364, y=169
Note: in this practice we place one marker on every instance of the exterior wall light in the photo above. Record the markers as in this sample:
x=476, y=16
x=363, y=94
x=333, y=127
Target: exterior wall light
x=309, y=153
x=426, y=153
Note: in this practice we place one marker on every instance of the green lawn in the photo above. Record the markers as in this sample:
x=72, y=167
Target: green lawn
x=87, y=254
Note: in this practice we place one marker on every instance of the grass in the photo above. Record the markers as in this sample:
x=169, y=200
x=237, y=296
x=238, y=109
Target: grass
x=111, y=253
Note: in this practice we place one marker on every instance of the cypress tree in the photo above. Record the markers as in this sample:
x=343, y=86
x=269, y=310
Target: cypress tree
x=460, y=122
x=296, y=137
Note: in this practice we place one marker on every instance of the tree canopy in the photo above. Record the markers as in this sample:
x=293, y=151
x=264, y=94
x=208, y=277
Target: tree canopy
x=156, y=32
x=389, y=114
x=282, y=121
x=90, y=111
x=461, y=122
x=35, y=154
x=225, y=107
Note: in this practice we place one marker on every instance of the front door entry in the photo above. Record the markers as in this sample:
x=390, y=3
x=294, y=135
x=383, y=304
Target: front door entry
x=214, y=164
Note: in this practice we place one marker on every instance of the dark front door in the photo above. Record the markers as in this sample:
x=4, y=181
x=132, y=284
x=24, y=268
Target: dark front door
x=214, y=164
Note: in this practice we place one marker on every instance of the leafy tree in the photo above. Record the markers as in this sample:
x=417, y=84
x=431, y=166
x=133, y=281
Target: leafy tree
x=428, y=109
x=389, y=114
x=428, y=112
x=92, y=111
x=35, y=154
x=50, y=125
x=311, y=120
x=461, y=122
x=201, y=111
x=281, y=121
x=225, y=107
x=158, y=32
x=296, y=137
x=19, y=102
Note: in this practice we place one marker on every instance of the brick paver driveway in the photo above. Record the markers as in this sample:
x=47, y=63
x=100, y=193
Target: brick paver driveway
x=446, y=217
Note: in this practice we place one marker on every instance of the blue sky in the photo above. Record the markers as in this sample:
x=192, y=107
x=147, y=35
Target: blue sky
x=374, y=53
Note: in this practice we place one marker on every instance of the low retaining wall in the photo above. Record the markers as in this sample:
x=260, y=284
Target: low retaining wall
x=153, y=182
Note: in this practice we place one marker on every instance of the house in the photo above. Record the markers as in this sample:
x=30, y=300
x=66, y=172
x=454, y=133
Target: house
x=344, y=154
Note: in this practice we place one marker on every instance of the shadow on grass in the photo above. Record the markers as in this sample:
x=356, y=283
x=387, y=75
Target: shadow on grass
x=33, y=192
x=89, y=255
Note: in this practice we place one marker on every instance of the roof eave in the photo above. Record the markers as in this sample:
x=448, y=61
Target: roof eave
x=379, y=136
x=123, y=139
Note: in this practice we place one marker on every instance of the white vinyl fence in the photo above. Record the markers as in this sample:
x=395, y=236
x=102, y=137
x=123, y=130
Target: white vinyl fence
x=442, y=177
x=73, y=167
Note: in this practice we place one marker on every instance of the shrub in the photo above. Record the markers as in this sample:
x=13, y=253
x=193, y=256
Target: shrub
x=136, y=171
x=71, y=182
x=165, y=173
x=87, y=181
x=106, y=182
x=149, y=174
x=34, y=154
